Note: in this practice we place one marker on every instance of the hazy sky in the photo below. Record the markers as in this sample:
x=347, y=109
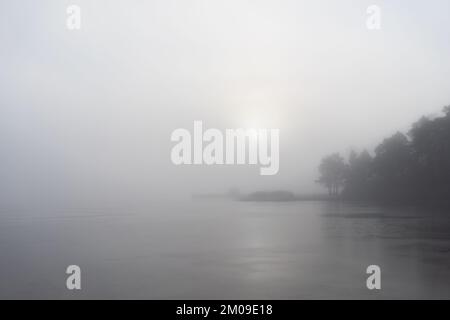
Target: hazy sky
x=87, y=115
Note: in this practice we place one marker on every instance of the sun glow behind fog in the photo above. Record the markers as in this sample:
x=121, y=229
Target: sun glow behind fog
x=138, y=70
x=259, y=110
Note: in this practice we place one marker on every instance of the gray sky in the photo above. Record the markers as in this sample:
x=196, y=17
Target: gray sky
x=87, y=115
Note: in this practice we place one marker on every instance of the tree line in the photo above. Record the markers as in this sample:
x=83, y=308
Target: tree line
x=406, y=168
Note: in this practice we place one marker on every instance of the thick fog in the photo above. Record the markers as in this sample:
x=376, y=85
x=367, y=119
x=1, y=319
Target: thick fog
x=86, y=115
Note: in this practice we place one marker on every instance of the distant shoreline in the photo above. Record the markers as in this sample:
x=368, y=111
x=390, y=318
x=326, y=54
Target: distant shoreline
x=267, y=196
x=288, y=196
x=284, y=196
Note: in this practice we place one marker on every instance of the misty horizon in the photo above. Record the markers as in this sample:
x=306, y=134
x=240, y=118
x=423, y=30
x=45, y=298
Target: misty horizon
x=315, y=118
x=92, y=111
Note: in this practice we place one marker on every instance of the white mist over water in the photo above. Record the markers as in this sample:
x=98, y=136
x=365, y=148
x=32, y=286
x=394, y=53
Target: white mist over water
x=85, y=122
x=226, y=250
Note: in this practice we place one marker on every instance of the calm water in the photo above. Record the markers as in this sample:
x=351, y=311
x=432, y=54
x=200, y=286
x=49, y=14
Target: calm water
x=224, y=249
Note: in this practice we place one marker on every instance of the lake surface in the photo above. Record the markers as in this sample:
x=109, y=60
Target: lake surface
x=223, y=249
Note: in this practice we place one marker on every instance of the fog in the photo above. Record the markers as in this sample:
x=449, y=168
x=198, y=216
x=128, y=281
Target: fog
x=86, y=116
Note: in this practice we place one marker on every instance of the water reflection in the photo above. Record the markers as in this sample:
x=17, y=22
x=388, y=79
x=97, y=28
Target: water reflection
x=225, y=249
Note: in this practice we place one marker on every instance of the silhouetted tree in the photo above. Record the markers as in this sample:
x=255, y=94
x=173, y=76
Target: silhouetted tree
x=391, y=167
x=431, y=144
x=413, y=168
x=332, y=173
x=359, y=175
